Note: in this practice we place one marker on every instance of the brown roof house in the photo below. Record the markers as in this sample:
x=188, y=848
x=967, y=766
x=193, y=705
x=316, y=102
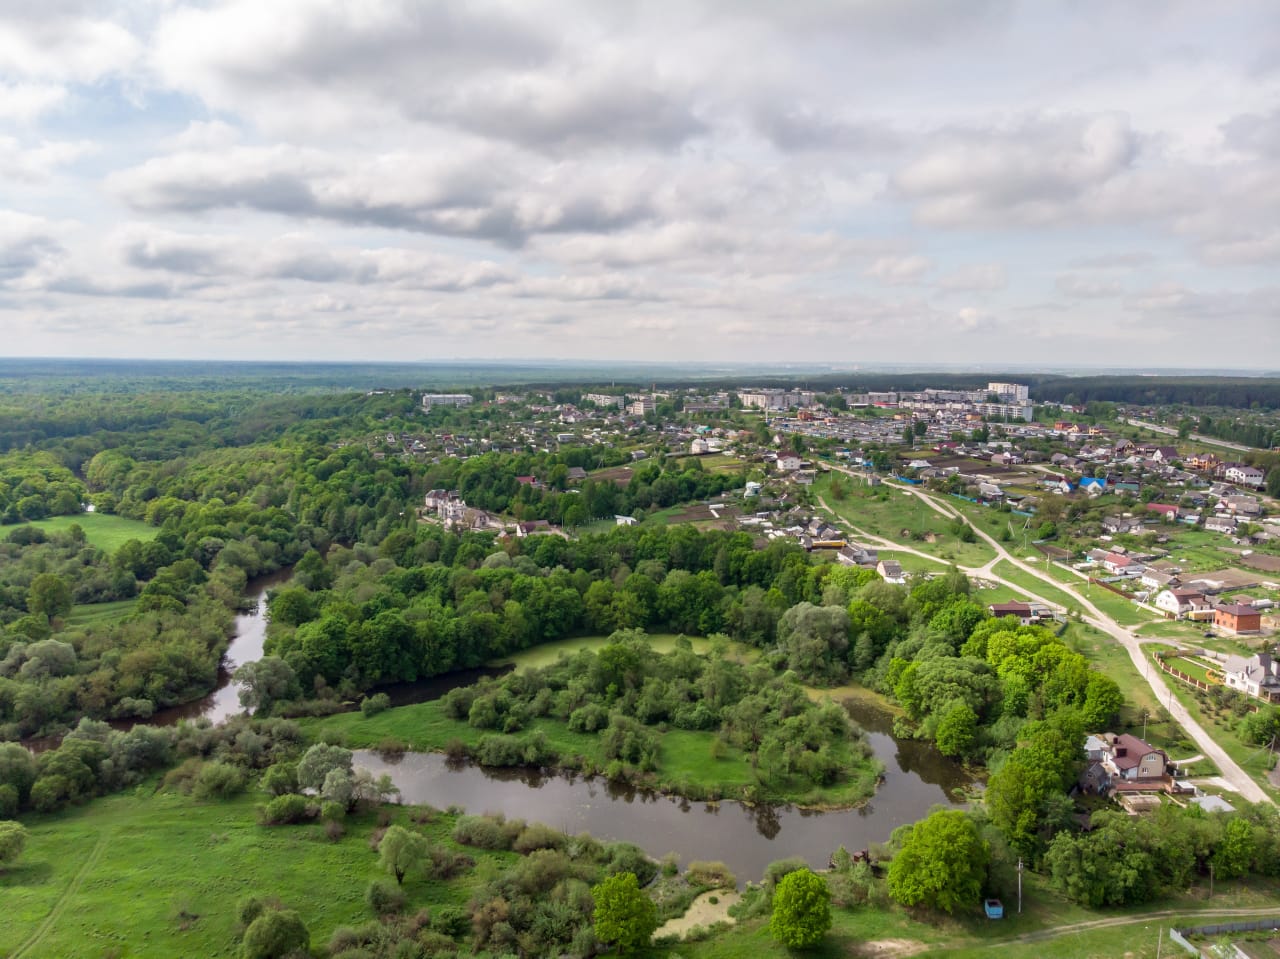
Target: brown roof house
x=1237, y=618
x=1125, y=763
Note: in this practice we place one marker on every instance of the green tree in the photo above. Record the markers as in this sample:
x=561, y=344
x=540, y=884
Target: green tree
x=50, y=595
x=941, y=862
x=1235, y=852
x=801, y=910
x=13, y=839
x=624, y=916
x=957, y=730
x=402, y=852
x=276, y=934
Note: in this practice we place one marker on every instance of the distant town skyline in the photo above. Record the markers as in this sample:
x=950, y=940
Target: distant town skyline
x=1037, y=184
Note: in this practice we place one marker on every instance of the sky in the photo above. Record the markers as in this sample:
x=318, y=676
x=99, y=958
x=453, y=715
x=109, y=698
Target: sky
x=1034, y=183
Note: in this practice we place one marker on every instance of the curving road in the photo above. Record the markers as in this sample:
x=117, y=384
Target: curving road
x=1231, y=772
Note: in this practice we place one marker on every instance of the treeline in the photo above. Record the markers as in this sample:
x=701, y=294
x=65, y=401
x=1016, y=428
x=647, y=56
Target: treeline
x=1237, y=392
x=36, y=485
x=1259, y=433
x=490, y=482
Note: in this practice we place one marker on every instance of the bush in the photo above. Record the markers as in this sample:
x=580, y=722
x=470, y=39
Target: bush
x=451, y=921
x=589, y=718
x=334, y=830
x=628, y=857
x=538, y=836
x=377, y=703
x=284, y=810
x=714, y=874
x=333, y=812
x=486, y=832
x=801, y=910
x=275, y=934
x=218, y=781
x=384, y=897
x=776, y=870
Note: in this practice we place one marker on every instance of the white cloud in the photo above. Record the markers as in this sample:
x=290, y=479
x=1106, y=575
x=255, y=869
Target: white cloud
x=899, y=269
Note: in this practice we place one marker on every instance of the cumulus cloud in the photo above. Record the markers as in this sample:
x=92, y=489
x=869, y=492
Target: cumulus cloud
x=1037, y=171
x=742, y=179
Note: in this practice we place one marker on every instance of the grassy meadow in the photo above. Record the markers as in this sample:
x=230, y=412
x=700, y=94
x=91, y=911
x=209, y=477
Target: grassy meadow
x=101, y=530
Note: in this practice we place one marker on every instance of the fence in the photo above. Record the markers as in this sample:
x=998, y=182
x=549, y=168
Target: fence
x=1179, y=674
x=1105, y=585
x=1179, y=936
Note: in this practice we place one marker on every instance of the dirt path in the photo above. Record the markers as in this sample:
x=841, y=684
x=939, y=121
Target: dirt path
x=64, y=900
x=702, y=912
x=900, y=947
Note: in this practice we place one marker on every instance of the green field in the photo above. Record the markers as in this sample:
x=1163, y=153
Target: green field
x=548, y=653
x=888, y=511
x=157, y=876
x=124, y=876
x=102, y=530
x=95, y=614
x=1021, y=578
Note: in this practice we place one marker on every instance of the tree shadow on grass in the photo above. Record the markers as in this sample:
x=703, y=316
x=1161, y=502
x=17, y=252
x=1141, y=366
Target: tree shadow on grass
x=26, y=874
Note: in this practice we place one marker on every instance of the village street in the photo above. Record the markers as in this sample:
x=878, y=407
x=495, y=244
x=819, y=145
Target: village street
x=1231, y=773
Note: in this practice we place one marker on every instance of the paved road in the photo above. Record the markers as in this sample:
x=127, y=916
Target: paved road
x=1199, y=437
x=1231, y=772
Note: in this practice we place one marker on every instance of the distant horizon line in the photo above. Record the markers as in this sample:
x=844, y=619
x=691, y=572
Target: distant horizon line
x=1065, y=369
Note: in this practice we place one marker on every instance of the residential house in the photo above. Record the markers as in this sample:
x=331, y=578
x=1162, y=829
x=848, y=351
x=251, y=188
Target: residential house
x=624, y=520
x=1125, y=763
x=1120, y=565
x=1153, y=578
x=789, y=463
x=1245, y=476
x=1164, y=510
x=1121, y=524
x=1183, y=603
x=890, y=571
x=1237, y=618
x=1164, y=454
x=1257, y=675
x=1240, y=505
x=1221, y=524
x=851, y=554
x=1020, y=611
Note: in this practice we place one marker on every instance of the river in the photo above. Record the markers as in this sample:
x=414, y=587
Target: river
x=746, y=838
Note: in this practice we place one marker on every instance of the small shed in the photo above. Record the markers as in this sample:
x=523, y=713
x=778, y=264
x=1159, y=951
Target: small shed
x=994, y=908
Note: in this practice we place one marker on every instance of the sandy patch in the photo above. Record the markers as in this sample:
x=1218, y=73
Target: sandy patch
x=702, y=912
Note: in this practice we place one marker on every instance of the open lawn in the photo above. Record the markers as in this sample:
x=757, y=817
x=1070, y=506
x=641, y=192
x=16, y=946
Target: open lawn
x=95, y=614
x=143, y=875
x=547, y=653
x=102, y=530
x=891, y=513
x=1019, y=577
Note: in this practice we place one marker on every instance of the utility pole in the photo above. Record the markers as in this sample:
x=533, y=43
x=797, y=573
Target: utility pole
x=1159, y=942
x=1019, y=885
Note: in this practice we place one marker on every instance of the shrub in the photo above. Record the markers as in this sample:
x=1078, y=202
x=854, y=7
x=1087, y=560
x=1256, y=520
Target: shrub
x=333, y=812
x=451, y=921
x=714, y=874
x=486, y=832
x=284, y=810
x=776, y=870
x=538, y=836
x=588, y=718
x=384, y=898
x=377, y=703
x=392, y=748
x=801, y=910
x=628, y=857
x=334, y=830
x=275, y=934
x=218, y=781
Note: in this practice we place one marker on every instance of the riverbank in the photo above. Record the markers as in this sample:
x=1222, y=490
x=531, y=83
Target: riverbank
x=692, y=764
